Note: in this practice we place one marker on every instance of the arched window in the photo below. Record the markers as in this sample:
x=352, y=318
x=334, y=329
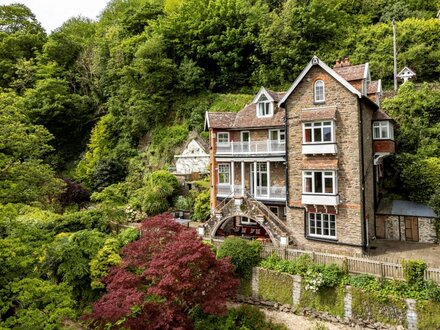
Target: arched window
x=319, y=91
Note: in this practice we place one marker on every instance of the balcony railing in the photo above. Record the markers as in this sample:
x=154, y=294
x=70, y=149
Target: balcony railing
x=264, y=193
x=253, y=147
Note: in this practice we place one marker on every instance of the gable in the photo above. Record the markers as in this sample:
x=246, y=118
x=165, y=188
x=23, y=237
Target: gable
x=194, y=149
x=317, y=62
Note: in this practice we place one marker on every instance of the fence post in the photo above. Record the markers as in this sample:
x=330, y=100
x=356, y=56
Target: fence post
x=382, y=270
x=313, y=256
x=285, y=253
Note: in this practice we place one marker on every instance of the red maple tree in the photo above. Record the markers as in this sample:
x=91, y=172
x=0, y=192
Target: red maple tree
x=164, y=275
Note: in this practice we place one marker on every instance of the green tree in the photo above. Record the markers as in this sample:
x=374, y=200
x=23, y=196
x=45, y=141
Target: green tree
x=24, y=178
x=21, y=38
x=62, y=112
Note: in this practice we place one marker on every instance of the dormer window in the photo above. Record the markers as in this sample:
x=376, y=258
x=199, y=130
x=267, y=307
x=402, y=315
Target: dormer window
x=319, y=92
x=264, y=107
x=383, y=130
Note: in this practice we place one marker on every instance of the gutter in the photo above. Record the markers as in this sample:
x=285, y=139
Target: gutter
x=287, y=155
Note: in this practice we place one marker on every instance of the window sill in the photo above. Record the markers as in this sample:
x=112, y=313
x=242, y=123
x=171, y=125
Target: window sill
x=322, y=239
x=319, y=102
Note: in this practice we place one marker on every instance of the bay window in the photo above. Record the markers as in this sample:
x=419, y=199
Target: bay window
x=318, y=132
x=319, y=182
x=383, y=130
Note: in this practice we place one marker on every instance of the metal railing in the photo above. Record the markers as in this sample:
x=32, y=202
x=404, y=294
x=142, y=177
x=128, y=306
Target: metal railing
x=253, y=147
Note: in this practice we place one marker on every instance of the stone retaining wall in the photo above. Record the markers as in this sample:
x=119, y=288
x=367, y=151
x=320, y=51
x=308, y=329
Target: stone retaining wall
x=348, y=318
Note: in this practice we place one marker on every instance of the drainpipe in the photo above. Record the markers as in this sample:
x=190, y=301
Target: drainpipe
x=364, y=221
x=287, y=155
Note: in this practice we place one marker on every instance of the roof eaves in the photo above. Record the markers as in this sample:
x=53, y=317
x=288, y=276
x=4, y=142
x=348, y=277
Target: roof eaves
x=206, y=126
x=316, y=61
x=261, y=91
x=366, y=70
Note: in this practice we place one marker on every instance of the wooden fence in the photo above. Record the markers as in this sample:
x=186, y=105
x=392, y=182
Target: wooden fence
x=355, y=265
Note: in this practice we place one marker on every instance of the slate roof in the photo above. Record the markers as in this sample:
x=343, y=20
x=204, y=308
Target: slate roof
x=351, y=72
x=372, y=87
x=247, y=117
x=380, y=115
x=405, y=208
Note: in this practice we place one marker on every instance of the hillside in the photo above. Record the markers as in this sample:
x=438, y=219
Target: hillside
x=92, y=115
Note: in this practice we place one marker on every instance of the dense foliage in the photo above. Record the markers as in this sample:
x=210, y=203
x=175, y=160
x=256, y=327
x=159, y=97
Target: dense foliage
x=92, y=114
x=243, y=254
x=165, y=274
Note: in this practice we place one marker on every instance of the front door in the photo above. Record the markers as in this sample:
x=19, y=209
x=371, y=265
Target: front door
x=411, y=229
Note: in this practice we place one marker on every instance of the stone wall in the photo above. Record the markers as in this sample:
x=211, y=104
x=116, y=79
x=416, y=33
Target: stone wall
x=392, y=228
x=427, y=231
x=407, y=314
x=348, y=220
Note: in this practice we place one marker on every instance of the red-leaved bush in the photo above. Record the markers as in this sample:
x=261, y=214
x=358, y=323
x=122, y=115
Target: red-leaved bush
x=163, y=276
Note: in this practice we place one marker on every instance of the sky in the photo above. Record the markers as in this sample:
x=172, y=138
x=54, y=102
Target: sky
x=53, y=13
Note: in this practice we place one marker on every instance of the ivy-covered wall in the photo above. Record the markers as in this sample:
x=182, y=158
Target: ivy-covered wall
x=275, y=286
x=325, y=299
x=428, y=315
x=368, y=306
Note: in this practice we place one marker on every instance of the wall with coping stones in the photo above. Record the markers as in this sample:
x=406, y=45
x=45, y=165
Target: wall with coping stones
x=411, y=305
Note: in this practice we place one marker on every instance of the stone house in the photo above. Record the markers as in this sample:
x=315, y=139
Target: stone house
x=304, y=167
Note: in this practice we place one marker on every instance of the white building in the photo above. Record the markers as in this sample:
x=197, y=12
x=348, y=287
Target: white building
x=194, y=158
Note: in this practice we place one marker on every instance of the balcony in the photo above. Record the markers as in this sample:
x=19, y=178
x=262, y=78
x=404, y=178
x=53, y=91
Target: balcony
x=251, y=148
x=316, y=199
x=319, y=148
x=262, y=193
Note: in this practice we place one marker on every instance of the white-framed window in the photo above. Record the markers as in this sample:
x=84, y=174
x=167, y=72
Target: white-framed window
x=383, y=130
x=224, y=174
x=247, y=221
x=322, y=225
x=319, y=91
x=264, y=107
x=319, y=132
x=223, y=138
x=319, y=182
x=277, y=135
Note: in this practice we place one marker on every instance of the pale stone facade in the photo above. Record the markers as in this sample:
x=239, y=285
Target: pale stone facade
x=194, y=159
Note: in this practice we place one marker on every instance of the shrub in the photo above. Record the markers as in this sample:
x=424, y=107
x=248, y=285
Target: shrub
x=164, y=275
x=243, y=317
x=244, y=254
x=202, y=206
x=414, y=271
x=184, y=203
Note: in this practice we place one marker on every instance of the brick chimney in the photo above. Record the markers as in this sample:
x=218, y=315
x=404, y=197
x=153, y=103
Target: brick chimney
x=337, y=64
x=346, y=62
